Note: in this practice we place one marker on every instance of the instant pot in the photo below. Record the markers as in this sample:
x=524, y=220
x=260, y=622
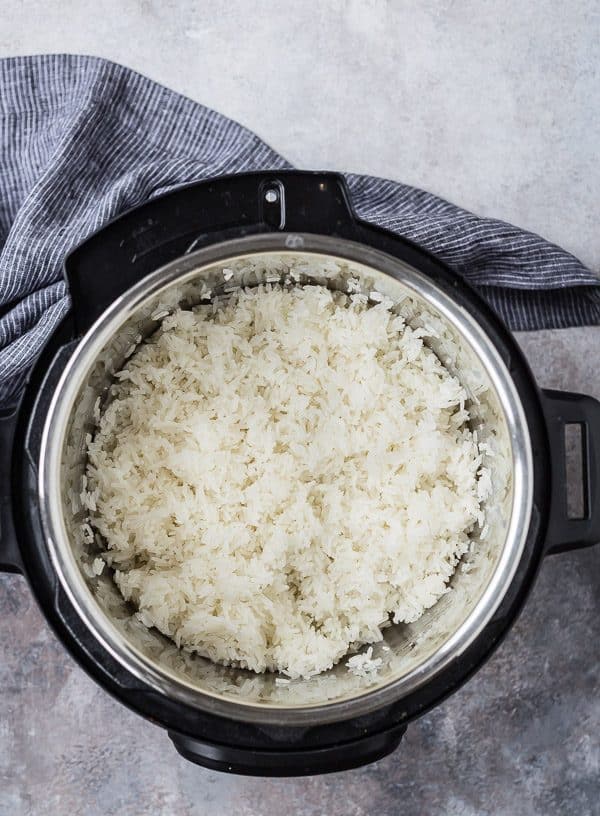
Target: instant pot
x=170, y=253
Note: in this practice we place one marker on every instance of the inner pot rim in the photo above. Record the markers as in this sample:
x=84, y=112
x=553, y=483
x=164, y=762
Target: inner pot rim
x=53, y=437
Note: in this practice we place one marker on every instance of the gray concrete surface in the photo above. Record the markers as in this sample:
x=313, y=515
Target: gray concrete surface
x=493, y=105
x=490, y=103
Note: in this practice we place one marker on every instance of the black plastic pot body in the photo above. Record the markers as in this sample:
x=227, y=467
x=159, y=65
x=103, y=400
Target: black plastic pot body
x=208, y=213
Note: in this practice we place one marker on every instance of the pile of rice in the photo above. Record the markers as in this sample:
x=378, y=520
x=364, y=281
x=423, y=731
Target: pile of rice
x=280, y=474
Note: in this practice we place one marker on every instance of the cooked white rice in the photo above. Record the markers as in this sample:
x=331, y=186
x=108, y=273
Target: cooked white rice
x=363, y=665
x=280, y=474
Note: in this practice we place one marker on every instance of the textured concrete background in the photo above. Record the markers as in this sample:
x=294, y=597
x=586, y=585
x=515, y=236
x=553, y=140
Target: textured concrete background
x=493, y=105
x=490, y=103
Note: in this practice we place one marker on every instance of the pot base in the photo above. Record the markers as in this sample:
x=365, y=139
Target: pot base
x=302, y=762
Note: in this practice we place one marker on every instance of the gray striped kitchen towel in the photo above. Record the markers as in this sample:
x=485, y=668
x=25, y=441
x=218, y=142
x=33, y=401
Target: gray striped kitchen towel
x=83, y=139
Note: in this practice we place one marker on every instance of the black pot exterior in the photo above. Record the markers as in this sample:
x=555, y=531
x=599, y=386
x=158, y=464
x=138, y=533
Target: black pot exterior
x=315, y=203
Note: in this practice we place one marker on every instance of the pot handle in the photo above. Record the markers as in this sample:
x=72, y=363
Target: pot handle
x=563, y=408
x=195, y=215
x=10, y=557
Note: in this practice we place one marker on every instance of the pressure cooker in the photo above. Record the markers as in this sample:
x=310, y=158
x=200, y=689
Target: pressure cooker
x=170, y=253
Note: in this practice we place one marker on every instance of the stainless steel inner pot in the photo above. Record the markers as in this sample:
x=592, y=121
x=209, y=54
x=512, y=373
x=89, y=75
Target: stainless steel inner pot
x=417, y=651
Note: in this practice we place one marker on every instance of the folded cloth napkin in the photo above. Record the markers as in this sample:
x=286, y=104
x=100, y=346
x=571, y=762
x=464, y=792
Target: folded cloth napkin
x=83, y=139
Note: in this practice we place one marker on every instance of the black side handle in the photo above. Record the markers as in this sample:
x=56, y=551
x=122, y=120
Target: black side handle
x=196, y=215
x=563, y=408
x=293, y=762
x=10, y=557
